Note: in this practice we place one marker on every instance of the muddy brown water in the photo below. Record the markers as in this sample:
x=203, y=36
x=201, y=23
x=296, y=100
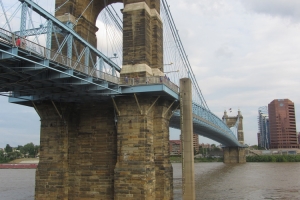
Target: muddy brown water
x=212, y=180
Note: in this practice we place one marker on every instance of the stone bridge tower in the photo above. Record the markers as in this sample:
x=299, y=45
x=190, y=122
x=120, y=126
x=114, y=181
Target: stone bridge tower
x=235, y=154
x=114, y=148
x=231, y=120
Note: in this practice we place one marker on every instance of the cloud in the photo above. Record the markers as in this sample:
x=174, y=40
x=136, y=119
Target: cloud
x=223, y=51
x=277, y=8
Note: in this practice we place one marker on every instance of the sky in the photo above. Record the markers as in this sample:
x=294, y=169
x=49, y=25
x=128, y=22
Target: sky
x=244, y=53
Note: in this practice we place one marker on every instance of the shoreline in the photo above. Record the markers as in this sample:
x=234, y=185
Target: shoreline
x=22, y=163
x=19, y=166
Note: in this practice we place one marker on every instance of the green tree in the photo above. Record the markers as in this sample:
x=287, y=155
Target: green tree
x=3, y=157
x=8, y=148
x=20, y=147
x=29, y=149
x=13, y=155
x=1, y=153
x=36, y=149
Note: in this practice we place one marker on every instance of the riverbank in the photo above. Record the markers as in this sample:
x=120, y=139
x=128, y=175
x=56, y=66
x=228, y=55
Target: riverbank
x=178, y=159
x=18, y=166
x=255, y=158
x=23, y=163
x=273, y=158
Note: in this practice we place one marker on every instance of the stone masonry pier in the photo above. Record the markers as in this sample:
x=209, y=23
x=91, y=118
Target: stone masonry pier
x=117, y=147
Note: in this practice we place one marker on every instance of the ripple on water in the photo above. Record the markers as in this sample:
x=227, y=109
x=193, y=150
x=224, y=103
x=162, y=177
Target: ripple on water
x=17, y=184
x=243, y=181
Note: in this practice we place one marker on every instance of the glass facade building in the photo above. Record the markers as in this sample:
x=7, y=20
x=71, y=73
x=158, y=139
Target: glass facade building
x=263, y=127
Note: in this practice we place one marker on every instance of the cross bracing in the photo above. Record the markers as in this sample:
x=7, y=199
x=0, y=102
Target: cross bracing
x=36, y=72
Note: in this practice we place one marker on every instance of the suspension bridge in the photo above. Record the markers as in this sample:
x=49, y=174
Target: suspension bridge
x=106, y=104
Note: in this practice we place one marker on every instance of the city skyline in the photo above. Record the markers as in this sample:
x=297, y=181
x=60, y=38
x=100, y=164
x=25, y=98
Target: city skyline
x=244, y=54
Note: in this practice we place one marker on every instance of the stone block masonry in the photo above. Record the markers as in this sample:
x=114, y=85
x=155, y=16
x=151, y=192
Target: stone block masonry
x=86, y=154
x=143, y=169
x=78, y=152
x=234, y=155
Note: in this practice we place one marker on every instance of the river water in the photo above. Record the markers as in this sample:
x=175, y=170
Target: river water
x=251, y=181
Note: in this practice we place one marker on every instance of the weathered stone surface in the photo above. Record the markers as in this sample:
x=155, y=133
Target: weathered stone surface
x=78, y=152
x=231, y=120
x=143, y=169
x=163, y=167
x=142, y=38
x=85, y=154
x=234, y=155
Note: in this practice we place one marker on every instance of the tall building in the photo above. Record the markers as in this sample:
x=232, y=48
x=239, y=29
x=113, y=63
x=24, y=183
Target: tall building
x=175, y=147
x=263, y=127
x=196, y=142
x=282, y=124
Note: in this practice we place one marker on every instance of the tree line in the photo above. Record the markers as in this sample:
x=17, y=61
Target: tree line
x=9, y=153
x=273, y=158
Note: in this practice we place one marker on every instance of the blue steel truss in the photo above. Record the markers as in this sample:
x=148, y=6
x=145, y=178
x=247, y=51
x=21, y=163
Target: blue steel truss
x=67, y=30
x=32, y=72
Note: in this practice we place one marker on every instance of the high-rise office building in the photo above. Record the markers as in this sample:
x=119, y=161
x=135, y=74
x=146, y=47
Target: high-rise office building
x=282, y=124
x=263, y=127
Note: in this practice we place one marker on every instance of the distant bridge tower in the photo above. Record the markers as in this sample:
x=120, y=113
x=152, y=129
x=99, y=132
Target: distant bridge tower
x=235, y=154
x=231, y=121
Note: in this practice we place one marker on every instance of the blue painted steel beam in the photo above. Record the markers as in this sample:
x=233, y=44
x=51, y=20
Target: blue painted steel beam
x=18, y=100
x=48, y=16
x=9, y=53
x=206, y=130
x=57, y=75
x=34, y=31
x=54, y=69
x=150, y=88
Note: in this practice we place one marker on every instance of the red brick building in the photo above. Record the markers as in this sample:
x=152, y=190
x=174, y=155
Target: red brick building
x=282, y=124
x=196, y=142
x=175, y=147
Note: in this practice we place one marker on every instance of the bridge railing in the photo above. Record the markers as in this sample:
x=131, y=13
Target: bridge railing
x=33, y=48
x=208, y=116
x=6, y=37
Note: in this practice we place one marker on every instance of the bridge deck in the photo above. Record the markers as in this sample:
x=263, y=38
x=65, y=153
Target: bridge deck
x=36, y=73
